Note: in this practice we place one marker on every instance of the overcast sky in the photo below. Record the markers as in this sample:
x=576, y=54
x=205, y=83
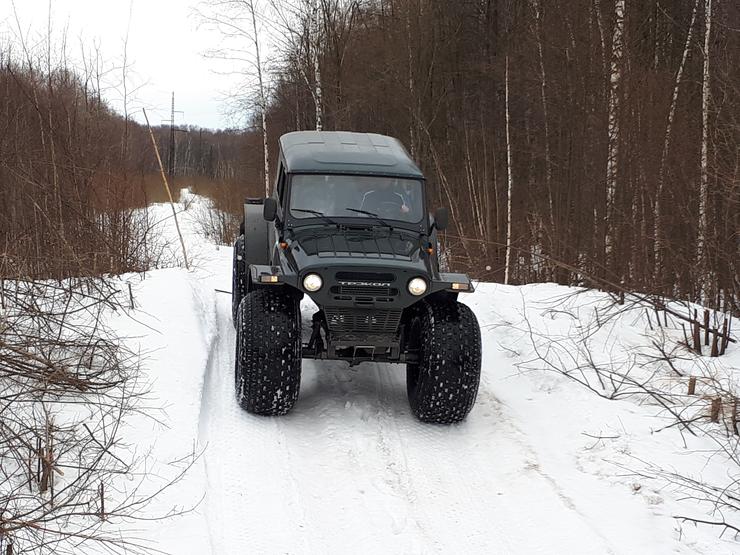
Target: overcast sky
x=165, y=51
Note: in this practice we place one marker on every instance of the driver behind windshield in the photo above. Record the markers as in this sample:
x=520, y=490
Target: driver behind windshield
x=387, y=199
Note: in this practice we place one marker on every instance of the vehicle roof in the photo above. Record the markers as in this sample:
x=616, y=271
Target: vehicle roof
x=346, y=152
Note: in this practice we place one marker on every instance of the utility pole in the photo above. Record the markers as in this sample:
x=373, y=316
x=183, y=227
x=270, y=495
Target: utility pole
x=171, y=153
x=171, y=161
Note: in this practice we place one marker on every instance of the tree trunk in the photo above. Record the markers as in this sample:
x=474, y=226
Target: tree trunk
x=658, y=232
x=263, y=98
x=612, y=162
x=316, y=41
x=507, y=271
x=701, y=240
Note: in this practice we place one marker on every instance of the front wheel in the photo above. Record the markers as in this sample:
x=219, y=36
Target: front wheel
x=443, y=385
x=267, y=368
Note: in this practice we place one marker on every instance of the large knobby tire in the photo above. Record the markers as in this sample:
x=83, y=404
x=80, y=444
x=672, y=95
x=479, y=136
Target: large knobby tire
x=239, y=277
x=268, y=351
x=443, y=386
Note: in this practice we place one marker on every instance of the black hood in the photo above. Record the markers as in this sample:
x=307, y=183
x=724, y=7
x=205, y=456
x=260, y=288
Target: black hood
x=383, y=244
x=380, y=246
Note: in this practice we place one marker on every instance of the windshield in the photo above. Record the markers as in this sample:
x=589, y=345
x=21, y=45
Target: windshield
x=332, y=196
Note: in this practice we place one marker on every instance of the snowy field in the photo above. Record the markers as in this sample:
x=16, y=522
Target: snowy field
x=542, y=464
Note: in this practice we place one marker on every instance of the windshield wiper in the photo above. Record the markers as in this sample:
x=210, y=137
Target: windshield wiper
x=315, y=213
x=371, y=214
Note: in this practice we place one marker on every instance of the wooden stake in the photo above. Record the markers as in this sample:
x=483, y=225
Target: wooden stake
x=167, y=188
x=723, y=345
x=697, y=337
x=714, y=411
x=685, y=337
x=692, y=385
x=715, y=345
x=706, y=326
x=734, y=416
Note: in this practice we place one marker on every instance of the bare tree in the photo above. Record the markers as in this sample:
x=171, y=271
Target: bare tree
x=298, y=29
x=510, y=178
x=657, y=231
x=706, y=92
x=239, y=23
x=612, y=160
x=315, y=40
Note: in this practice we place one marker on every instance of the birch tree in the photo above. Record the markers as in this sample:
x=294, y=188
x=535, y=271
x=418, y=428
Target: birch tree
x=262, y=95
x=315, y=40
x=612, y=162
x=237, y=21
x=701, y=240
x=297, y=30
x=510, y=175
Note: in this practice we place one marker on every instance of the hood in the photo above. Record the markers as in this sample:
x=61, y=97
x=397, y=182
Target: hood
x=360, y=244
x=360, y=247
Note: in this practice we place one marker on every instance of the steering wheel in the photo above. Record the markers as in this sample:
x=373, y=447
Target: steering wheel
x=389, y=208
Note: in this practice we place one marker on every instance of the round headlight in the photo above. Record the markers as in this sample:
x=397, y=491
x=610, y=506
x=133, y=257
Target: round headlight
x=312, y=282
x=417, y=286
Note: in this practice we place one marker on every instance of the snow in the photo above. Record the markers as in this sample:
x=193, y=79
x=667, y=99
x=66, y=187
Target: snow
x=541, y=465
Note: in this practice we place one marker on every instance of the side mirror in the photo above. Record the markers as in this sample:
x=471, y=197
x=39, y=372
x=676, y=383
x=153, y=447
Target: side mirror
x=441, y=218
x=269, y=209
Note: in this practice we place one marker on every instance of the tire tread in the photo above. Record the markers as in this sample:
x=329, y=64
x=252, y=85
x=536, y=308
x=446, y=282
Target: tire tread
x=268, y=352
x=443, y=386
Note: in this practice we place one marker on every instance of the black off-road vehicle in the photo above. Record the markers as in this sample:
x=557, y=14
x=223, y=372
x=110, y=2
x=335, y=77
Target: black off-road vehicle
x=348, y=227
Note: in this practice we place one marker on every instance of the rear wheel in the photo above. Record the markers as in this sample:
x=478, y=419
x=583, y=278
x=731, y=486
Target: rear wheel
x=443, y=385
x=268, y=351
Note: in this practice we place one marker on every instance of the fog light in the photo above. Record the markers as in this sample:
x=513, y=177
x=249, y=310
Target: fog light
x=312, y=282
x=267, y=278
x=461, y=287
x=417, y=286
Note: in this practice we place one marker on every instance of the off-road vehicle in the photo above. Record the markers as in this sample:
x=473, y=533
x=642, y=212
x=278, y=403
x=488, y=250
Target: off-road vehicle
x=348, y=226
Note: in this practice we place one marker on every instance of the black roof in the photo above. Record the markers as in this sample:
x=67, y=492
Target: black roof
x=346, y=152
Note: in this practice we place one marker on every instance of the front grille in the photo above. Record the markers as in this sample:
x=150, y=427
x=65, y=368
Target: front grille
x=358, y=290
x=356, y=321
x=371, y=277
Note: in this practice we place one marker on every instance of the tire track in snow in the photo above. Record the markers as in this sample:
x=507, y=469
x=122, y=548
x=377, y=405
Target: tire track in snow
x=251, y=501
x=391, y=444
x=350, y=470
x=214, y=357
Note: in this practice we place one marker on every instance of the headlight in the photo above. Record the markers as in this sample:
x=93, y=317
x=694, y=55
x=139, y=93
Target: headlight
x=417, y=286
x=312, y=282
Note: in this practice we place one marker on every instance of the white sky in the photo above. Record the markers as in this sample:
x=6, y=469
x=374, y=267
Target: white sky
x=165, y=52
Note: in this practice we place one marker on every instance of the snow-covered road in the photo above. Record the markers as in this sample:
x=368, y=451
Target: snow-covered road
x=541, y=465
x=351, y=470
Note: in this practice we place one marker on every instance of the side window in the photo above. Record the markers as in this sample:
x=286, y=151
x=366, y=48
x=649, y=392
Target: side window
x=281, y=184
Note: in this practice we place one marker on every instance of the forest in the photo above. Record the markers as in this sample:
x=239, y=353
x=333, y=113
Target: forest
x=590, y=142
x=599, y=139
